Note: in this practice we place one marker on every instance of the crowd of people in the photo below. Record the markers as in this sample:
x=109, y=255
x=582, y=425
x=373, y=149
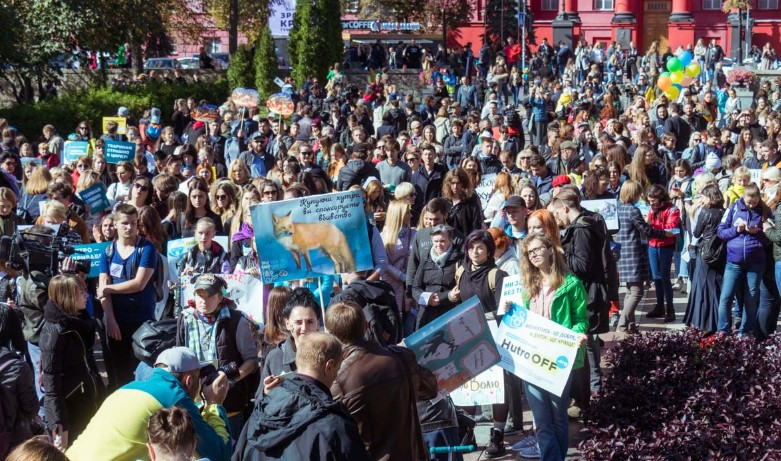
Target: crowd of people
x=695, y=183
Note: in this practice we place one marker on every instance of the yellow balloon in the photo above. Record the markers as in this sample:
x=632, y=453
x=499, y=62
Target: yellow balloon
x=677, y=76
x=673, y=93
x=693, y=69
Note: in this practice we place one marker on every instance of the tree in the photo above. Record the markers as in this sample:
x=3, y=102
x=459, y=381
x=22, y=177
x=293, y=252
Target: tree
x=252, y=16
x=265, y=64
x=388, y=10
x=501, y=19
x=430, y=14
x=315, y=39
x=241, y=72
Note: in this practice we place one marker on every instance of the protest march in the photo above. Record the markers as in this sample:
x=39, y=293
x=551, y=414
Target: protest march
x=350, y=272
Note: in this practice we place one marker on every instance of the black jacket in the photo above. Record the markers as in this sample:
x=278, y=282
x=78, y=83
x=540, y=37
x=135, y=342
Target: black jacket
x=466, y=215
x=431, y=278
x=72, y=385
x=419, y=248
x=682, y=131
x=355, y=172
x=427, y=186
x=18, y=397
x=300, y=421
x=490, y=165
x=281, y=358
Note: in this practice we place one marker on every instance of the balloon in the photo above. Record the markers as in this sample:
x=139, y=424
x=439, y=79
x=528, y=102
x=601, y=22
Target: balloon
x=674, y=64
x=665, y=74
x=672, y=93
x=677, y=76
x=687, y=81
x=664, y=83
x=685, y=57
x=693, y=69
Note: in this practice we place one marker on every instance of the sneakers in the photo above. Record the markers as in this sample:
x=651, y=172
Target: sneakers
x=656, y=313
x=736, y=323
x=495, y=446
x=633, y=329
x=614, y=320
x=669, y=317
x=525, y=442
x=574, y=411
x=678, y=284
x=530, y=452
x=512, y=429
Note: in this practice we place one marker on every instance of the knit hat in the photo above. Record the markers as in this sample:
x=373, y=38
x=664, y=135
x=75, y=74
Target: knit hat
x=712, y=162
x=561, y=180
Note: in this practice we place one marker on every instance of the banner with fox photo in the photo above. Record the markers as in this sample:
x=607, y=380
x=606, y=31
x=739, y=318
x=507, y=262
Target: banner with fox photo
x=311, y=236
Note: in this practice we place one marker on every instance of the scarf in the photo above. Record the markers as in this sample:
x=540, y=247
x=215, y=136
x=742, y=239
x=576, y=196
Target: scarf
x=199, y=328
x=244, y=232
x=441, y=260
x=475, y=282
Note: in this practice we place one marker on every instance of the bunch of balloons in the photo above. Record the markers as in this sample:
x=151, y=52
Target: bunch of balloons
x=681, y=72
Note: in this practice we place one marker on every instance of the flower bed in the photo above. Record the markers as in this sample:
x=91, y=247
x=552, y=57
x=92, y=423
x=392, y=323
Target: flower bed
x=741, y=75
x=679, y=396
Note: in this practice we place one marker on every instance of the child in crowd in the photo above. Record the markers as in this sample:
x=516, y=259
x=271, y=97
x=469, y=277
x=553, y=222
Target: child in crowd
x=208, y=256
x=740, y=179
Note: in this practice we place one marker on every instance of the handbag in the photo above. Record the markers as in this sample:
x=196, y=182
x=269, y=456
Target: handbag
x=153, y=337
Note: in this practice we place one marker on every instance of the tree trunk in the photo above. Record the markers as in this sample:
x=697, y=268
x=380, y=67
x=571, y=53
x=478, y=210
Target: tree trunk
x=137, y=56
x=233, y=26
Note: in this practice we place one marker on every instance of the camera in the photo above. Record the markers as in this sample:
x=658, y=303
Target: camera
x=43, y=252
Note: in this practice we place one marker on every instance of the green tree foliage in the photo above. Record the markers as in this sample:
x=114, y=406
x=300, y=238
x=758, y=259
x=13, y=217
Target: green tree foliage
x=501, y=19
x=241, y=72
x=265, y=64
x=387, y=10
x=253, y=16
x=315, y=39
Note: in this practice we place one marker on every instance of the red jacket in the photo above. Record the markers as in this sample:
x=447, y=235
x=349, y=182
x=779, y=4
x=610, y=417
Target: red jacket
x=511, y=53
x=667, y=218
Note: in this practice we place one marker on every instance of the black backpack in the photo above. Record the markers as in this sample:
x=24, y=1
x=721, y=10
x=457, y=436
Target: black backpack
x=153, y=337
x=158, y=278
x=384, y=324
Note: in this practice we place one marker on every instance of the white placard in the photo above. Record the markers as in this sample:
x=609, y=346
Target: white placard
x=244, y=290
x=511, y=292
x=484, y=189
x=607, y=208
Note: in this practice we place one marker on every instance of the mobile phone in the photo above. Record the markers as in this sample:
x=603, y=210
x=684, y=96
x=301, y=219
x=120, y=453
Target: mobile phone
x=675, y=231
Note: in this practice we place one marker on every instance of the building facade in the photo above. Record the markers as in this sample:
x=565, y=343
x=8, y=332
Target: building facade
x=670, y=22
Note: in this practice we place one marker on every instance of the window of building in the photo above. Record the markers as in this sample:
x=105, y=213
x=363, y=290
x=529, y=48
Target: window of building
x=603, y=5
x=549, y=5
x=711, y=4
x=213, y=45
x=768, y=4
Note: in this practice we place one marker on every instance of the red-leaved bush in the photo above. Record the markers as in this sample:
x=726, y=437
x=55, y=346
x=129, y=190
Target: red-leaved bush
x=676, y=396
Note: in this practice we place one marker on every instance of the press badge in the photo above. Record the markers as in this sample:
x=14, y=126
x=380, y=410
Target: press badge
x=116, y=270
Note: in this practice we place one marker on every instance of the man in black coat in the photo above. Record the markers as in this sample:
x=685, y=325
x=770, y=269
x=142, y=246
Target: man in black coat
x=299, y=419
x=428, y=177
x=357, y=169
x=676, y=125
x=489, y=163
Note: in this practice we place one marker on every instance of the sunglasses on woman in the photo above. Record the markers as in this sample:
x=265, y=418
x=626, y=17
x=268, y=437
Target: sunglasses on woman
x=140, y=186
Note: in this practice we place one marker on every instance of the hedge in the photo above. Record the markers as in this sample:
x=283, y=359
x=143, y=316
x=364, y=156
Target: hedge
x=92, y=105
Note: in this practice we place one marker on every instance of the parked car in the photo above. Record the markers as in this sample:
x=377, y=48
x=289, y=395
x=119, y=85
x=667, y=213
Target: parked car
x=161, y=64
x=189, y=63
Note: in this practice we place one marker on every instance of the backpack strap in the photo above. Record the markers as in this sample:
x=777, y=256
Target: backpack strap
x=492, y=278
x=459, y=273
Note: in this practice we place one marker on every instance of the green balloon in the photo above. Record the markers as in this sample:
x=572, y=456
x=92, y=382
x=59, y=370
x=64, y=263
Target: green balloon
x=665, y=74
x=674, y=65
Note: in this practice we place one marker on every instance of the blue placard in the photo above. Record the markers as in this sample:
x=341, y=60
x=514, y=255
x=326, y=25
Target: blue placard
x=119, y=151
x=74, y=150
x=95, y=197
x=92, y=253
x=33, y=160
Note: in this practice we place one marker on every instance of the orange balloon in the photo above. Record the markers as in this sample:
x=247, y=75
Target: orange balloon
x=664, y=83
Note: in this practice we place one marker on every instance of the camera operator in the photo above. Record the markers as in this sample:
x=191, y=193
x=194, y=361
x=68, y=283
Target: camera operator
x=125, y=289
x=33, y=296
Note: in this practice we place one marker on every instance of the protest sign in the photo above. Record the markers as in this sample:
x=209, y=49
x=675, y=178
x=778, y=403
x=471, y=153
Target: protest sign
x=95, y=197
x=121, y=124
x=756, y=176
x=244, y=290
x=485, y=188
x=91, y=252
x=607, y=208
x=487, y=388
x=74, y=150
x=456, y=346
x=245, y=97
x=119, y=151
x=33, y=160
x=512, y=290
x=311, y=236
x=281, y=104
x=537, y=350
x=177, y=248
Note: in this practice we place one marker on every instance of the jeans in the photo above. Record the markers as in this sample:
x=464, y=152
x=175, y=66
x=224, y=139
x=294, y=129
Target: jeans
x=769, y=302
x=634, y=294
x=35, y=357
x=681, y=266
x=594, y=359
x=236, y=424
x=550, y=417
x=661, y=259
x=408, y=320
x=734, y=276
x=447, y=437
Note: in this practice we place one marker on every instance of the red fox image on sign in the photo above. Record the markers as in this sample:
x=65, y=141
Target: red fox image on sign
x=301, y=238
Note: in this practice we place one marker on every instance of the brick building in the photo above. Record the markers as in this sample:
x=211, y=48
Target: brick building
x=671, y=22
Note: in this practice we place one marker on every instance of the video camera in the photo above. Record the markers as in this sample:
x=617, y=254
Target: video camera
x=43, y=252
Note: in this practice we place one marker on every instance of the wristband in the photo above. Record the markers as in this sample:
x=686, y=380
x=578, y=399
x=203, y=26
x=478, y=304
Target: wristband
x=231, y=370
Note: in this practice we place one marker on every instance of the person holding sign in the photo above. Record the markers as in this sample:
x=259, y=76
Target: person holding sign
x=556, y=294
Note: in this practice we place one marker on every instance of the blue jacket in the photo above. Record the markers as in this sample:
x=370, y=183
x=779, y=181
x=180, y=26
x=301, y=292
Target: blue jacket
x=743, y=247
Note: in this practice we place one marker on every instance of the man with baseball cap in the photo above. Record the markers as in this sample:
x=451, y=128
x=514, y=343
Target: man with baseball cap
x=515, y=211
x=118, y=429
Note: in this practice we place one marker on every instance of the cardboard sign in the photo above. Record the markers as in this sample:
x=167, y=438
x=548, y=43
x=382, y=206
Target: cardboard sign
x=311, y=236
x=487, y=388
x=484, y=189
x=121, y=124
x=456, y=347
x=91, y=252
x=74, y=150
x=34, y=160
x=607, y=208
x=537, y=350
x=95, y=197
x=245, y=290
x=177, y=248
x=512, y=290
x=756, y=176
x=119, y=151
